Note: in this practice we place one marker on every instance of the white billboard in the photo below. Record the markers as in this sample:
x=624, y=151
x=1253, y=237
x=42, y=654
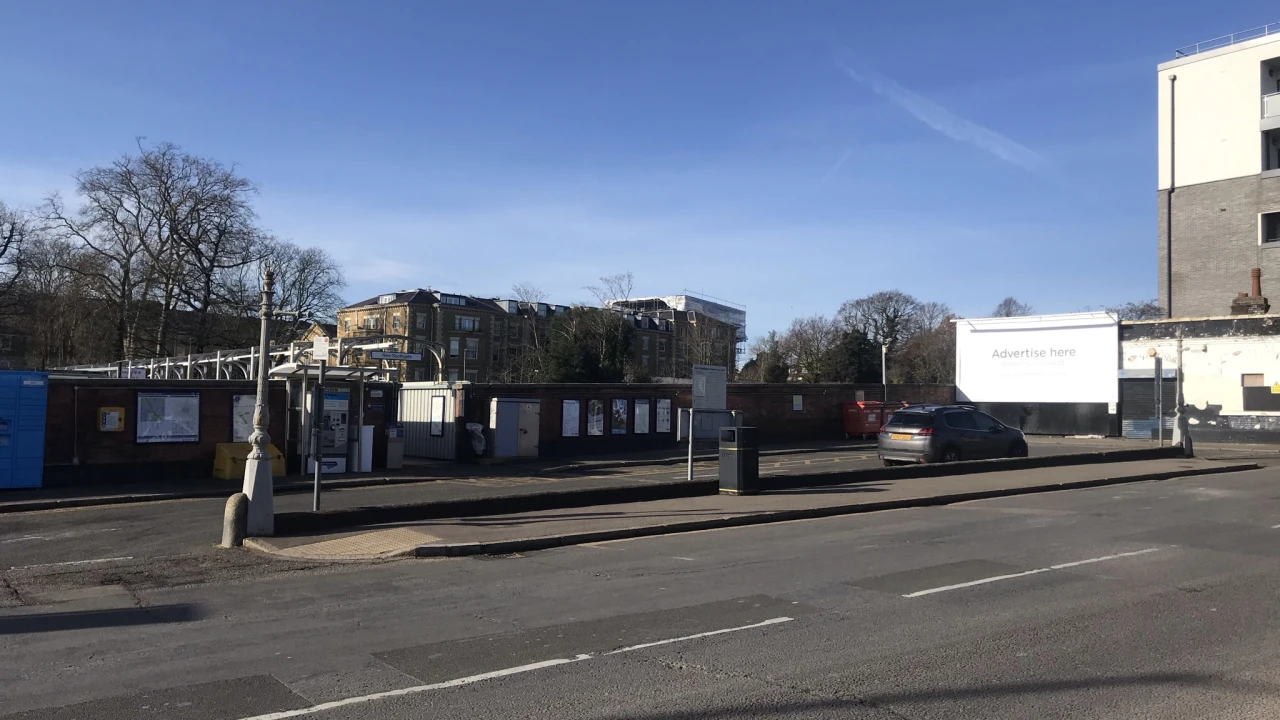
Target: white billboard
x=1039, y=359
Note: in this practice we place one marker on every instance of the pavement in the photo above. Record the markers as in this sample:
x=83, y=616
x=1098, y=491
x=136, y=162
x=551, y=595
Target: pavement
x=1144, y=600
x=516, y=532
x=416, y=470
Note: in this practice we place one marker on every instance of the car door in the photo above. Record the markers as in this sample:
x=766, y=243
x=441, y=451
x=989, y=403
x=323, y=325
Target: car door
x=964, y=430
x=994, y=439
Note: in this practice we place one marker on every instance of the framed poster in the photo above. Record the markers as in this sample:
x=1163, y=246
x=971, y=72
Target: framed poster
x=437, y=415
x=168, y=417
x=569, y=419
x=595, y=417
x=642, y=417
x=618, y=423
x=242, y=407
x=664, y=415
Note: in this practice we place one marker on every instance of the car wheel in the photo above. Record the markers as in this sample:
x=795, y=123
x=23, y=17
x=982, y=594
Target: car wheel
x=950, y=455
x=891, y=463
x=1019, y=449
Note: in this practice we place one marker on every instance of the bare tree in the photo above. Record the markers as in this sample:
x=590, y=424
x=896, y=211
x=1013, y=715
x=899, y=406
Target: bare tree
x=527, y=292
x=15, y=232
x=929, y=315
x=1149, y=310
x=613, y=287
x=887, y=317
x=808, y=345
x=308, y=281
x=1010, y=307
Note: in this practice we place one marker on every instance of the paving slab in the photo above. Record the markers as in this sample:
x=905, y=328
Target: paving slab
x=495, y=534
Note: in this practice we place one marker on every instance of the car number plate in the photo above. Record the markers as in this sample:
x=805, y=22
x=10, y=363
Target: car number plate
x=899, y=436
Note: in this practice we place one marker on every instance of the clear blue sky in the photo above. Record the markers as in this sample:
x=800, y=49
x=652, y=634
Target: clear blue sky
x=785, y=155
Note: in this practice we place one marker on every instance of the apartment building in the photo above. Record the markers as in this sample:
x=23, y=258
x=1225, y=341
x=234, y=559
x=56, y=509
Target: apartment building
x=703, y=332
x=458, y=336
x=1219, y=175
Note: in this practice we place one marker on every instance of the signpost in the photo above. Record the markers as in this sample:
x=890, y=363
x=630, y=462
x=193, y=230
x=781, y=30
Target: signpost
x=388, y=355
x=320, y=349
x=317, y=414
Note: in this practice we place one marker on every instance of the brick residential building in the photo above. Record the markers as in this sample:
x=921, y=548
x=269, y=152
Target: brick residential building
x=1219, y=170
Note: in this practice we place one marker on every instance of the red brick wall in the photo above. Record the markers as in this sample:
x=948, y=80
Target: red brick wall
x=76, y=451
x=769, y=407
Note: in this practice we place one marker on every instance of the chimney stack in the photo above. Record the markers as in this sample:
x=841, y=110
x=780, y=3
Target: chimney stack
x=1254, y=303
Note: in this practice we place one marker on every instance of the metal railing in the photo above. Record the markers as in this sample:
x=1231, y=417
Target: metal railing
x=1271, y=105
x=1227, y=40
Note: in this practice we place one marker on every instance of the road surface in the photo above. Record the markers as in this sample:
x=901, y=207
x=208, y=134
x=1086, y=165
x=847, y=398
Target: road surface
x=1151, y=600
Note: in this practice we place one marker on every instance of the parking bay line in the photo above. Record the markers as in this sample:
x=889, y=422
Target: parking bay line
x=1037, y=571
x=459, y=682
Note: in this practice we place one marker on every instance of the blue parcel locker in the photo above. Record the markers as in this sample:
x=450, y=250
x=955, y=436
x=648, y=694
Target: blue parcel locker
x=23, y=400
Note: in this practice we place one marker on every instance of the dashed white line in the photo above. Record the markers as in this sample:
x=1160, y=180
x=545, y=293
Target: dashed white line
x=1010, y=576
x=346, y=702
x=642, y=646
x=71, y=562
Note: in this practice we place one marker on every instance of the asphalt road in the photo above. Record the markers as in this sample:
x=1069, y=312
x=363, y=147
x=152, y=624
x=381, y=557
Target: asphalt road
x=1152, y=600
x=183, y=532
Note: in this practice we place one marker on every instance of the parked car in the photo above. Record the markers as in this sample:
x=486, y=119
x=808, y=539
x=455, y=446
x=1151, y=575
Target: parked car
x=947, y=433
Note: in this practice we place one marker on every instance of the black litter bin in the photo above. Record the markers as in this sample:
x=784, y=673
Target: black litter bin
x=739, y=460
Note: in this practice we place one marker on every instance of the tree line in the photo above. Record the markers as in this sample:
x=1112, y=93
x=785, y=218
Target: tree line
x=914, y=339
x=158, y=253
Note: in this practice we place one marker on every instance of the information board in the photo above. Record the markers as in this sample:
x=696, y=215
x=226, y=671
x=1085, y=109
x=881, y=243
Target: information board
x=168, y=417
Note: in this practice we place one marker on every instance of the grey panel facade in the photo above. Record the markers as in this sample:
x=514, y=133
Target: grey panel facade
x=1215, y=243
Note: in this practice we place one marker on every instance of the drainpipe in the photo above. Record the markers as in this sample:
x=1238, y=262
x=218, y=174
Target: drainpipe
x=1168, y=220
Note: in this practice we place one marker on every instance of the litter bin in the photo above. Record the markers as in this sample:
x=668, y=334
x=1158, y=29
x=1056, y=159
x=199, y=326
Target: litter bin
x=395, y=446
x=739, y=460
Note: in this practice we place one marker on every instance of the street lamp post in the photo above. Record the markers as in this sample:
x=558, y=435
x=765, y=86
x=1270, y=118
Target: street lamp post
x=257, y=469
x=884, y=373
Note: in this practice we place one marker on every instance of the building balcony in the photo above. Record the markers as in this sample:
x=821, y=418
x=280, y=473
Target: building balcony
x=1271, y=105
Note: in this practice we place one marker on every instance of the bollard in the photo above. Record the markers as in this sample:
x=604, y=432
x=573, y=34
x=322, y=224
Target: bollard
x=235, y=520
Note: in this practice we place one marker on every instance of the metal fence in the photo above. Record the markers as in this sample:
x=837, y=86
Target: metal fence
x=1227, y=40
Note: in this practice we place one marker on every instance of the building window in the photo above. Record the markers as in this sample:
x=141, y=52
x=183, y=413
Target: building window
x=1269, y=227
x=662, y=346
x=1252, y=380
x=466, y=324
x=453, y=374
x=454, y=343
x=372, y=322
x=421, y=320
x=395, y=322
x=513, y=332
x=496, y=353
x=644, y=361
x=472, y=376
x=644, y=343
x=1271, y=149
x=419, y=374
x=386, y=299
x=453, y=300
x=346, y=327
x=473, y=348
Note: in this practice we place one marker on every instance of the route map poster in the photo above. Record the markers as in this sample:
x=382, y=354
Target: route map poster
x=168, y=417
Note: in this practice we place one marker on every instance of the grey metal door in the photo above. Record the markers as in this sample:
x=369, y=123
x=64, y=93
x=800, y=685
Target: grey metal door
x=429, y=414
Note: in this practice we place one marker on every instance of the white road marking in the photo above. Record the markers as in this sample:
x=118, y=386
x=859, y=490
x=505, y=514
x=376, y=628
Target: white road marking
x=23, y=539
x=642, y=646
x=68, y=534
x=1275, y=527
x=346, y=702
x=997, y=578
x=71, y=562
x=677, y=557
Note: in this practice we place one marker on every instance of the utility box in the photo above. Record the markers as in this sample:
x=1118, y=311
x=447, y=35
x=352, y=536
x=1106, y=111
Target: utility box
x=24, y=397
x=514, y=426
x=739, y=460
x=229, y=460
x=395, y=446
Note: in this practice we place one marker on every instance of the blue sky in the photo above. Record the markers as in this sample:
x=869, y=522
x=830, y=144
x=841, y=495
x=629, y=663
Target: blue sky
x=784, y=155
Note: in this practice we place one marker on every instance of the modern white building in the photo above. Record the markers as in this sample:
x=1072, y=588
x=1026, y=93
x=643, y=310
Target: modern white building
x=1219, y=170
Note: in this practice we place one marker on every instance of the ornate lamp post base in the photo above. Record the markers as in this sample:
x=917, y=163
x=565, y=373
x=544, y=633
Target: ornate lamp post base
x=257, y=470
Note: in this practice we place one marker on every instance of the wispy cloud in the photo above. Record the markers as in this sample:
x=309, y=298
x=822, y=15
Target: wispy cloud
x=946, y=122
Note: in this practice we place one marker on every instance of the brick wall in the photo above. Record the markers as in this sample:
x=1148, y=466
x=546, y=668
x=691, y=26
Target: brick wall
x=770, y=407
x=1215, y=243
x=77, y=451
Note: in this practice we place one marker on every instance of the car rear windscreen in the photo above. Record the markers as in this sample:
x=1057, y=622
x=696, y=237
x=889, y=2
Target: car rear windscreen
x=911, y=419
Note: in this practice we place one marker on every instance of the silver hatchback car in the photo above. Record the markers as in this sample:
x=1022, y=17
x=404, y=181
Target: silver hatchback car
x=947, y=433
